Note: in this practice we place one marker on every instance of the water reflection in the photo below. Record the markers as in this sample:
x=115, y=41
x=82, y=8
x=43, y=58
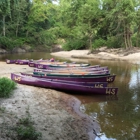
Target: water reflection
x=30, y=55
x=135, y=78
x=87, y=99
x=119, y=119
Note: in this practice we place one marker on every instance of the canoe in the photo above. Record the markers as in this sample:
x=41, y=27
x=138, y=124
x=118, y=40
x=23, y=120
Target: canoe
x=25, y=61
x=22, y=61
x=70, y=65
x=74, y=71
x=107, y=78
x=64, y=86
x=71, y=74
x=8, y=61
x=93, y=84
x=43, y=66
x=18, y=61
x=34, y=62
x=66, y=65
x=46, y=62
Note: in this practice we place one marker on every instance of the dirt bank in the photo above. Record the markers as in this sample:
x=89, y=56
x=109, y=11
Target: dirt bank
x=56, y=114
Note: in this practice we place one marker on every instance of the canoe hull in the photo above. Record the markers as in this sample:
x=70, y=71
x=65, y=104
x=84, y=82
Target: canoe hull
x=22, y=62
x=10, y=61
x=63, y=86
x=93, y=84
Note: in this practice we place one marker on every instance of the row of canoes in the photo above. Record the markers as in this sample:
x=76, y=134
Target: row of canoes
x=44, y=63
x=24, y=61
x=70, y=86
x=73, y=77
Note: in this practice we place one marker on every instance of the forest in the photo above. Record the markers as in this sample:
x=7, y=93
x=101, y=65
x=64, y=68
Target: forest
x=75, y=24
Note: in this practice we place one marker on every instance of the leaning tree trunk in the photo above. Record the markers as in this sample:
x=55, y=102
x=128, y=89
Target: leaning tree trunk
x=129, y=34
x=125, y=38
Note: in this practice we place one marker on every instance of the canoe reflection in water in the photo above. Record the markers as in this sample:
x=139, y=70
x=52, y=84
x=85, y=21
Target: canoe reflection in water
x=96, y=98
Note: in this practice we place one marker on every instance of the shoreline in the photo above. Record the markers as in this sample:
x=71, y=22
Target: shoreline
x=56, y=114
x=102, y=55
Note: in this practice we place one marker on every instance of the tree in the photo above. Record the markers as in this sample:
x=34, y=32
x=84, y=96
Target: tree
x=4, y=12
x=137, y=25
x=122, y=14
x=89, y=19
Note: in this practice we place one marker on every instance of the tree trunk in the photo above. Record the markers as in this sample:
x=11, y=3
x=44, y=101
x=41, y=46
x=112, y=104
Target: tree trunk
x=128, y=34
x=137, y=38
x=90, y=42
x=3, y=21
x=18, y=22
x=125, y=38
x=17, y=30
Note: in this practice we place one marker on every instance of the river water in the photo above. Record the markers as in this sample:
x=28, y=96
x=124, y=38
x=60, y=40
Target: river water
x=118, y=116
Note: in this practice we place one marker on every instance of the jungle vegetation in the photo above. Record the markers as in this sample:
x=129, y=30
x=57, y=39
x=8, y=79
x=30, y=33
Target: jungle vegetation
x=75, y=24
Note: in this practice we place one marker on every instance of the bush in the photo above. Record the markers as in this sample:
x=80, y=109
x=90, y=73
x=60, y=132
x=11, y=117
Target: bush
x=6, y=43
x=99, y=43
x=10, y=43
x=6, y=86
x=73, y=44
x=115, y=42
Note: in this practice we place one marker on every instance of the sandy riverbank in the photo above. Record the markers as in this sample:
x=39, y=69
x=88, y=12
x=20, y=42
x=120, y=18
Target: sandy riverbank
x=132, y=56
x=56, y=114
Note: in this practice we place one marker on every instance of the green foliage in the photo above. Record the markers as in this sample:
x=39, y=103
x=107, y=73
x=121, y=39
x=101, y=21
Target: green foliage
x=6, y=86
x=79, y=23
x=99, y=43
x=73, y=44
x=6, y=42
x=114, y=42
x=10, y=43
x=26, y=130
x=136, y=40
x=19, y=41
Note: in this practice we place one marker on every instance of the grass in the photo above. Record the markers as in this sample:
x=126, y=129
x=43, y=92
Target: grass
x=2, y=110
x=6, y=87
x=25, y=129
x=18, y=129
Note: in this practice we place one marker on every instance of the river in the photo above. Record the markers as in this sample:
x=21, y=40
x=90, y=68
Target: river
x=118, y=116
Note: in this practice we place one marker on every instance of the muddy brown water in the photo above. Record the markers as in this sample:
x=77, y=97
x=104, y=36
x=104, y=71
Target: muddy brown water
x=118, y=116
